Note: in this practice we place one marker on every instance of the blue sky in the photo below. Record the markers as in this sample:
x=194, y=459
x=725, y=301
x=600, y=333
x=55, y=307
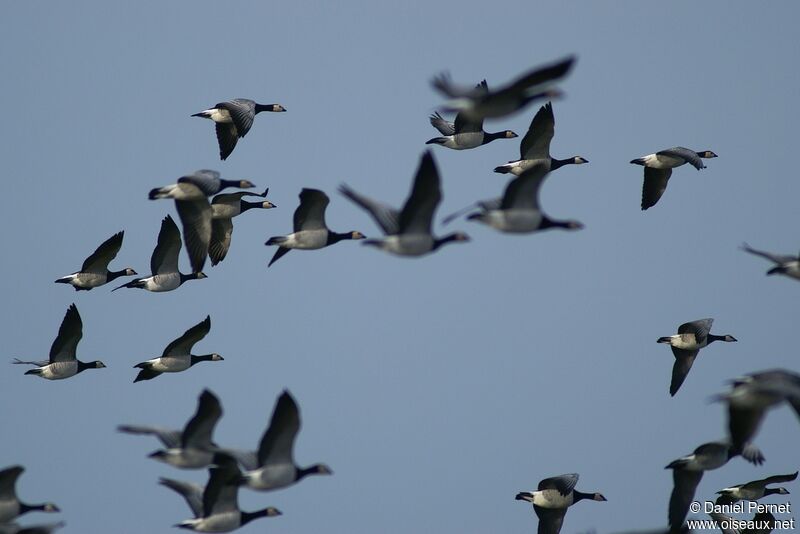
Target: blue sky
x=435, y=388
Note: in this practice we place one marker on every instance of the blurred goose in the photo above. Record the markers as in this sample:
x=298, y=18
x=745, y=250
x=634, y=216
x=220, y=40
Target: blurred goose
x=94, y=271
x=44, y=528
x=479, y=103
x=171, y=439
x=518, y=211
x=164, y=263
x=752, y=395
x=233, y=119
x=535, y=146
x=216, y=507
x=310, y=230
x=194, y=449
x=408, y=232
x=177, y=356
x=63, y=362
x=785, y=265
x=754, y=490
x=658, y=168
x=552, y=498
x=691, y=337
x=276, y=466
x=465, y=133
x=191, y=200
x=688, y=470
x=224, y=208
x=10, y=505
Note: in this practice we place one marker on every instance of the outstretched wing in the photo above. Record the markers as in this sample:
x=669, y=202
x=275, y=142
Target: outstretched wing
x=417, y=214
x=655, y=183
x=278, y=441
x=183, y=345
x=165, y=256
x=310, y=214
x=690, y=156
x=102, y=256
x=536, y=143
x=384, y=216
x=69, y=334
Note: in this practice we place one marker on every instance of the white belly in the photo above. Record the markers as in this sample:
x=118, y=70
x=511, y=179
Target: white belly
x=551, y=498
x=217, y=523
x=656, y=161
x=59, y=370
x=171, y=364
x=162, y=282
x=8, y=510
x=271, y=477
x=307, y=239
x=467, y=140
x=513, y=221
x=408, y=244
x=686, y=342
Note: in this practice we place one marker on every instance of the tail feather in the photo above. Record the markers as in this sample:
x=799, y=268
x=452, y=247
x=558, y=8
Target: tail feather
x=277, y=240
x=638, y=161
x=436, y=141
x=503, y=169
x=64, y=280
x=133, y=283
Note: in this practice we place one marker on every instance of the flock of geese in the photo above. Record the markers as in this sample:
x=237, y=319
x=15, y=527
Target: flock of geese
x=206, y=215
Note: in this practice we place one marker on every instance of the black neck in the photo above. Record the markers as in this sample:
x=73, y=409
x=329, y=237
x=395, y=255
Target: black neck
x=551, y=223
x=24, y=508
x=201, y=358
x=111, y=275
x=246, y=517
x=245, y=205
x=335, y=237
x=556, y=163
x=228, y=183
x=82, y=366
x=489, y=137
x=579, y=496
x=771, y=491
x=302, y=472
x=710, y=338
x=190, y=276
x=263, y=107
x=444, y=240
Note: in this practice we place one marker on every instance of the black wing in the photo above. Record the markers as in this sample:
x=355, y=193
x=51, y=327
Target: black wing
x=102, y=256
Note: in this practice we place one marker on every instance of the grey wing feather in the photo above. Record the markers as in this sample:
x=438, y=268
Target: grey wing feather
x=536, y=143
x=278, y=441
x=655, y=183
x=310, y=214
x=444, y=126
x=38, y=363
x=417, y=214
x=221, y=233
x=775, y=258
x=683, y=363
x=171, y=439
x=227, y=136
x=102, y=256
x=165, y=256
x=191, y=492
x=225, y=198
x=8, y=480
x=69, y=334
x=242, y=112
x=700, y=328
x=183, y=345
x=523, y=191
x=550, y=519
x=464, y=124
x=196, y=218
x=776, y=478
x=384, y=216
x=685, y=485
x=206, y=180
x=221, y=493
x=542, y=77
x=690, y=156
x=199, y=429
x=563, y=483
x=743, y=424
